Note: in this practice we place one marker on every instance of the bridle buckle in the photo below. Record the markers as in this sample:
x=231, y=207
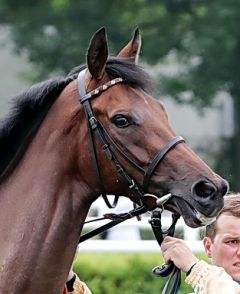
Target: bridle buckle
x=132, y=185
x=93, y=122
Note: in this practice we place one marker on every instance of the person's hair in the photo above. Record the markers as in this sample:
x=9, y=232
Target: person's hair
x=231, y=207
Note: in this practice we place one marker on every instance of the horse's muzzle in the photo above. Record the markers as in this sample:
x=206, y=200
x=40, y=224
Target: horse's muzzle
x=205, y=194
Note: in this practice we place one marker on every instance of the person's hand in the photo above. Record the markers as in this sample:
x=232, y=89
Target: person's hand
x=177, y=251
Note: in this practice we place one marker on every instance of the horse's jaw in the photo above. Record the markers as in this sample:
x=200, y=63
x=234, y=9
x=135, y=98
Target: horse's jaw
x=191, y=216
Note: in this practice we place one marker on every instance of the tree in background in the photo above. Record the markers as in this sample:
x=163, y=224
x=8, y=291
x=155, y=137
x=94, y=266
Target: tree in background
x=55, y=33
x=210, y=51
x=203, y=36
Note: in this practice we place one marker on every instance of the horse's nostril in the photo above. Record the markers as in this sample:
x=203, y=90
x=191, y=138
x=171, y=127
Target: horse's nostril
x=204, y=189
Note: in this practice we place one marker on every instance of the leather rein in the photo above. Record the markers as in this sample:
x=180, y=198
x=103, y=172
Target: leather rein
x=107, y=143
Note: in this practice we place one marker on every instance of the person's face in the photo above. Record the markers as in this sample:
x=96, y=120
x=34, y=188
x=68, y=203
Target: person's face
x=225, y=248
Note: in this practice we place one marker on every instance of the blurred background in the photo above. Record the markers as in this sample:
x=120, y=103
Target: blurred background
x=191, y=48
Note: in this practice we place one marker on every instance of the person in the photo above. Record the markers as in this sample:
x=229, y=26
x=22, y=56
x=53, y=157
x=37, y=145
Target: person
x=73, y=284
x=222, y=245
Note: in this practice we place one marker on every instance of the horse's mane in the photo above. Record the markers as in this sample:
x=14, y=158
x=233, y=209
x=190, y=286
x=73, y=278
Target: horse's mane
x=30, y=107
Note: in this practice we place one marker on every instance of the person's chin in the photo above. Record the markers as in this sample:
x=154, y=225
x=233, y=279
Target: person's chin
x=236, y=277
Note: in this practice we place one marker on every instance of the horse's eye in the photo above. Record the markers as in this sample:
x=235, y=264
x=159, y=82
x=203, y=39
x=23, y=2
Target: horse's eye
x=120, y=121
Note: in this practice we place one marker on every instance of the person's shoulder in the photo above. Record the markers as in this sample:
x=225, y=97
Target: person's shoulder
x=80, y=287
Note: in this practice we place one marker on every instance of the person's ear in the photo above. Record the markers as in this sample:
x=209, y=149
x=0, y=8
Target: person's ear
x=207, y=243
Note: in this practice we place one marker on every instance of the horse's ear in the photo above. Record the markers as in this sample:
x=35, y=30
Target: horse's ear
x=97, y=54
x=132, y=49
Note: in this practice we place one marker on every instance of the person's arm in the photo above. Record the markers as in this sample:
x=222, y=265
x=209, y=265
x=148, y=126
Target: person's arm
x=206, y=278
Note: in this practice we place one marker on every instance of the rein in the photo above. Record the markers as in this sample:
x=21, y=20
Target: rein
x=107, y=143
x=115, y=220
x=174, y=281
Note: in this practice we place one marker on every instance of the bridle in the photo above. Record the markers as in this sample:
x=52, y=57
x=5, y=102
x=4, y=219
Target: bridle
x=108, y=144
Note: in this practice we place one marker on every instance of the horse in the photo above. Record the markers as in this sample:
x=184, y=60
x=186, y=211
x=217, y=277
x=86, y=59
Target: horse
x=97, y=131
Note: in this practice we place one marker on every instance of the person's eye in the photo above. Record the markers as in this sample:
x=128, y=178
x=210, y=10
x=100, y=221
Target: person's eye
x=120, y=121
x=233, y=242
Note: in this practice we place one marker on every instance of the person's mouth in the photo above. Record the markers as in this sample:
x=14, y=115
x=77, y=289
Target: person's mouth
x=237, y=264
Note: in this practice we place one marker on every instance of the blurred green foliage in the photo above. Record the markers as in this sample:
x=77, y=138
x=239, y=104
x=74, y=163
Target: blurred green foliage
x=119, y=273
x=55, y=33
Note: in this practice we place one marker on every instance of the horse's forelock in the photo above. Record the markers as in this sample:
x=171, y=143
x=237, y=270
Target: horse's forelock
x=133, y=74
x=124, y=68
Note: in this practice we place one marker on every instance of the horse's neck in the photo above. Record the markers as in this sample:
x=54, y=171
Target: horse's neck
x=41, y=215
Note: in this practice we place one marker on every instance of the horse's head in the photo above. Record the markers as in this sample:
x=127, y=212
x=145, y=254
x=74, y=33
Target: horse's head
x=130, y=129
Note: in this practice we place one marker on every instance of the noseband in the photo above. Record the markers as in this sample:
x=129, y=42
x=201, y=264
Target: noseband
x=95, y=126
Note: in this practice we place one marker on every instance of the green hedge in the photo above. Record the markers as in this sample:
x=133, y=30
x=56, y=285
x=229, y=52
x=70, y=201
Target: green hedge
x=122, y=273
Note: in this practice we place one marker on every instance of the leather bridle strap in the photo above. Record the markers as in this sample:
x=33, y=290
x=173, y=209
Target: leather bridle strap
x=174, y=281
x=115, y=220
x=94, y=126
x=157, y=159
x=107, y=143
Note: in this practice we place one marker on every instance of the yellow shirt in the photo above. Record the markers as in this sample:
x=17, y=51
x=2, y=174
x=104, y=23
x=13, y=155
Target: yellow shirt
x=210, y=279
x=79, y=288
